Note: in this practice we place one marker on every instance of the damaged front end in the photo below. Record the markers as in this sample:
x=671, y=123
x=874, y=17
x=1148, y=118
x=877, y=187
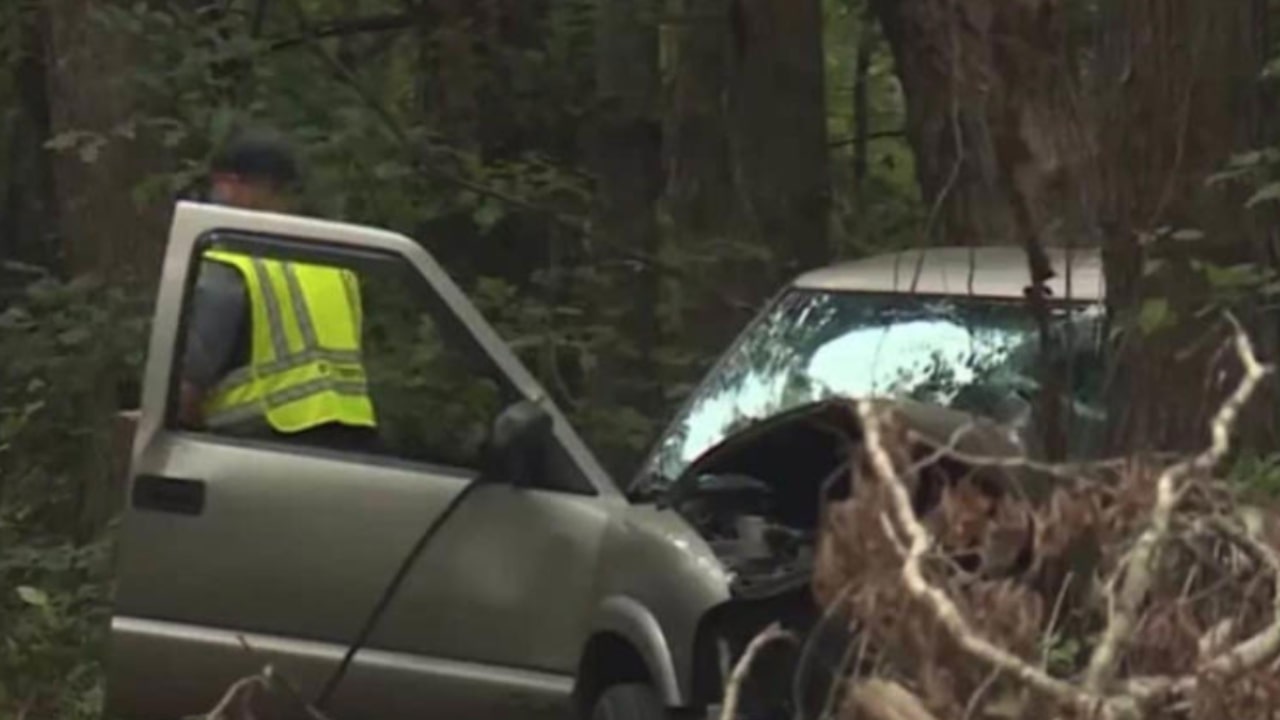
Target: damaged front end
x=758, y=500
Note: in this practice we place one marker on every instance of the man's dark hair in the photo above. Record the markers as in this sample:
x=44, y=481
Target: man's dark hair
x=260, y=154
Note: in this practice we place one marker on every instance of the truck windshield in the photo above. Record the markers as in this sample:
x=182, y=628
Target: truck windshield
x=972, y=354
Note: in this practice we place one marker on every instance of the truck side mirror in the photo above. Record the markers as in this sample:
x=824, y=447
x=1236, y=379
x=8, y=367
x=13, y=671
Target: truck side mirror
x=516, y=450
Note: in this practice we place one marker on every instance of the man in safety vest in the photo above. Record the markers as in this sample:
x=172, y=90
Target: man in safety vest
x=273, y=347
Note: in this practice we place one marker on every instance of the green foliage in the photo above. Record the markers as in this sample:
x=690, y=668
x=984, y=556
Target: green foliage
x=885, y=210
x=65, y=348
x=54, y=614
x=1154, y=315
x=434, y=401
x=1257, y=476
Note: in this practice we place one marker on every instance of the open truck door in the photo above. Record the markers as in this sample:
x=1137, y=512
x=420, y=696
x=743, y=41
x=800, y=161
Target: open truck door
x=239, y=550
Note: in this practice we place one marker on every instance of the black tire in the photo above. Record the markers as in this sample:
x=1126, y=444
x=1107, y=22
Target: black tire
x=631, y=701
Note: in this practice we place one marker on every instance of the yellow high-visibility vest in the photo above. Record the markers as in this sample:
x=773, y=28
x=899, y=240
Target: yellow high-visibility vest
x=305, y=366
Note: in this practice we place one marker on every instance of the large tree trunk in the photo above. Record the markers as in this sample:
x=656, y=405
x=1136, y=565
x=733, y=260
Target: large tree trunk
x=747, y=178
x=942, y=55
x=103, y=229
x=778, y=126
x=27, y=199
x=700, y=201
x=1183, y=80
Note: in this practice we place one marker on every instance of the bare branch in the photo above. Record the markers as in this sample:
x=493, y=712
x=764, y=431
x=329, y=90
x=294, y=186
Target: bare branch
x=886, y=700
x=773, y=633
x=346, y=26
x=1063, y=471
x=1053, y=621
x=1263, y=646
x=237, y=690
x=975, y=701
x=944, y=610
x=1138, y=570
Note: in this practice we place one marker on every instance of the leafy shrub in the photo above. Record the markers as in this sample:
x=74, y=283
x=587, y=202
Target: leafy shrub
x=67, y=351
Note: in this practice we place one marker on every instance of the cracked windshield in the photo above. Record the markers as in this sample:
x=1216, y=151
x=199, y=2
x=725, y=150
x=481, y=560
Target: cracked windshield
x=973, y=355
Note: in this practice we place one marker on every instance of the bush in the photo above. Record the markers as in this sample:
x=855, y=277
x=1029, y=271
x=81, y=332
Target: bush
x=69, y=353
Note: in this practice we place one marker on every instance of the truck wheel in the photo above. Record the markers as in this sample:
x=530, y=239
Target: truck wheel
x=631, y=701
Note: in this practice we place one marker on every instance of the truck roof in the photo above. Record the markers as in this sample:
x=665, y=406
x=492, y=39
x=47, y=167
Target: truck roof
x=993, y=272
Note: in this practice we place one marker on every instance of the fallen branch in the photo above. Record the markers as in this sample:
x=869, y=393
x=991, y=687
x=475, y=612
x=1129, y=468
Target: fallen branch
x=733, y=689
x=1264, y=645
x=243, y=691
x=1169, y=487
x=240, y=691
x=917, y=543
x=885, y=700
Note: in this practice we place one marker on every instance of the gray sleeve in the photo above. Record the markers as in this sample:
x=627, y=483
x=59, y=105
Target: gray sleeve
x=217, y=311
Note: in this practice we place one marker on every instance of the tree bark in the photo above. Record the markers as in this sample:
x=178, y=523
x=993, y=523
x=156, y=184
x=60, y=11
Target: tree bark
x=103, y=229
x=627, y=160
x=1182, y=97
x=778, y=130
x=942, y=59
x=26, y=223
x=862, y=108
x=747, y=190
x=699, y=201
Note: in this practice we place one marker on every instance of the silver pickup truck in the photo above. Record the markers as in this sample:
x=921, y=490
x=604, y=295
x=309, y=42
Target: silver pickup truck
x=554, y=591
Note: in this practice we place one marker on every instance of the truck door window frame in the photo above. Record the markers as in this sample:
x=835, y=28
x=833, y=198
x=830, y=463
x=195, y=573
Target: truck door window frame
x=450, y=327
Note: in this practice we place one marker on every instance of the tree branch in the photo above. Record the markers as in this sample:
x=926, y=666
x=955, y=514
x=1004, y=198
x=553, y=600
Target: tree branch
x=881, y=135
x=347, y=26
x=733, y=689
x=1169, y=487
x=1265, y=644
x=886, y=700
x=918, y=541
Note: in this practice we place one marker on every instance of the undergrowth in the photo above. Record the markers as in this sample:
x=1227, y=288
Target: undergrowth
x=69, y=352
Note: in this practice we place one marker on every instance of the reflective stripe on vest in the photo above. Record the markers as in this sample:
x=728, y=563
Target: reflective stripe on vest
x=304, y=368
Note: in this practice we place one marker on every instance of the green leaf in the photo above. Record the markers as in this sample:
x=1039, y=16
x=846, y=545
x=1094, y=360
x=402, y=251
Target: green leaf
x=487, y=215
x=1271, y=70
x=1267, y=193
x=1155, y=314
x=90, y=152
x=1188, y=235
x=172, y=138
x=1252, y=158
x=63, y=141
x=74, y=336
x=33, y=596
x=1232, y=277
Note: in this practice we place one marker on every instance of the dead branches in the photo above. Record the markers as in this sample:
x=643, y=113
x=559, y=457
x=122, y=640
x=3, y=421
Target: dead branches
x=1137, y=573
x=261, y=696
x=1163, y=636
x=918, y=544
x=771, y=634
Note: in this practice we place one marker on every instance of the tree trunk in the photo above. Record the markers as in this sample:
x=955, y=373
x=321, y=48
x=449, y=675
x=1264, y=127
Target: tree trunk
x=26, y=222
x=747, y=176
x=1183, y=98
x=627, y=160
x=700, y=201
x=862, y=108
x=779, y=132
x=103, y=229
x=941, y=54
